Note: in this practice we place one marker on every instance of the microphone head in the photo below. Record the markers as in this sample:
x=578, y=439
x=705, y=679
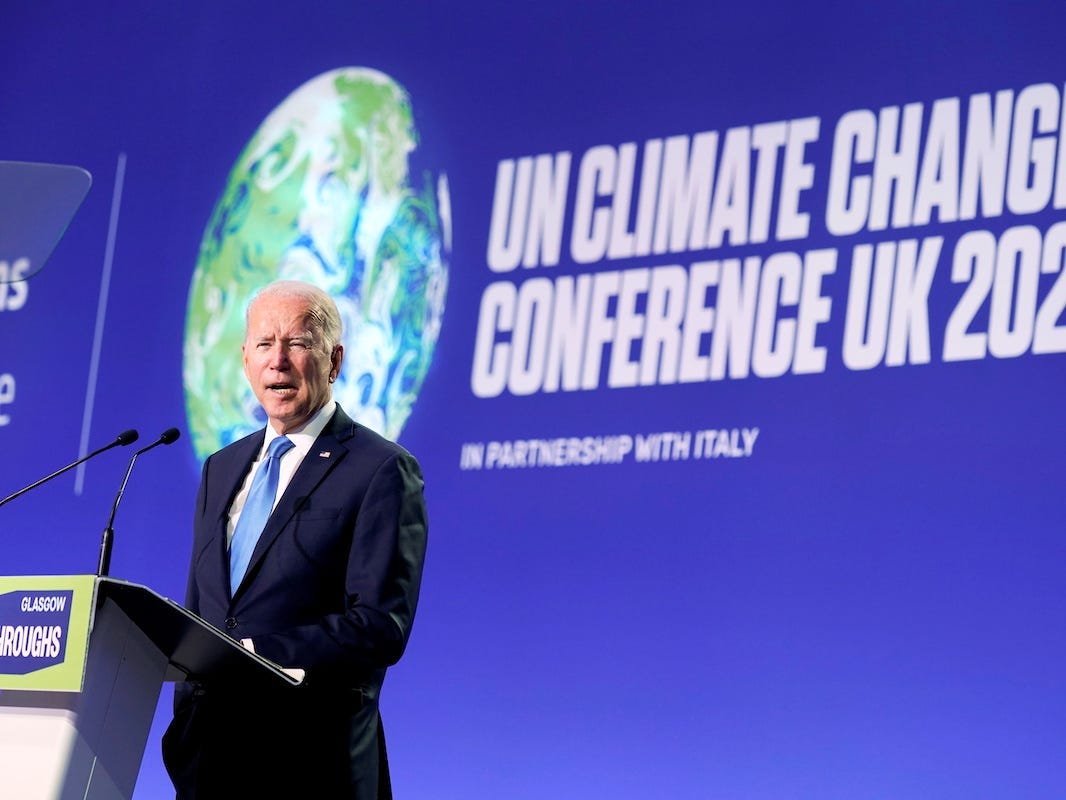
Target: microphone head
x=169, y=436
x=127, y=437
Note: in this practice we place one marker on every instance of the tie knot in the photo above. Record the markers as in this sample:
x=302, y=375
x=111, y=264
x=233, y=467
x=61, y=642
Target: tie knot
x=279, y=447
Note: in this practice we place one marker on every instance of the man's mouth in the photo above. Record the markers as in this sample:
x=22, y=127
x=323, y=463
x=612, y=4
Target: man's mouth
x=281, y=388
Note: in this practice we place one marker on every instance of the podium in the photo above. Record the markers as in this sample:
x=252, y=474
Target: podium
x=82, y=662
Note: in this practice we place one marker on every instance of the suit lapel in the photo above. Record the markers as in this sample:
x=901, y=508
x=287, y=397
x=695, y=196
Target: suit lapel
x=326, y=451
x=231, y=465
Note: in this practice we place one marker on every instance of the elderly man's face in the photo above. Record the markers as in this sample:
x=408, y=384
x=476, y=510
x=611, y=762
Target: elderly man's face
x=286, y=363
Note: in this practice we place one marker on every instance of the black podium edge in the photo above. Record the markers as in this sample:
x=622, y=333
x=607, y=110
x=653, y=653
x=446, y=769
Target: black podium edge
x=195, y=649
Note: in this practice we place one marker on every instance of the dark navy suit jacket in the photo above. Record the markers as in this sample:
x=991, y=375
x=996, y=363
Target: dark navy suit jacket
x=331, y=588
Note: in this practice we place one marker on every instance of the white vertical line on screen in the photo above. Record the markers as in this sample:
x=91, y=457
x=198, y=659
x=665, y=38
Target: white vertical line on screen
x=101, y=315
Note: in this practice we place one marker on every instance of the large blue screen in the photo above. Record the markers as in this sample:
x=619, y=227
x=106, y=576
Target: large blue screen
x=729, y=337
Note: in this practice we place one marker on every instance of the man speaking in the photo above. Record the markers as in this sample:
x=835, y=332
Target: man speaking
x=308, y=543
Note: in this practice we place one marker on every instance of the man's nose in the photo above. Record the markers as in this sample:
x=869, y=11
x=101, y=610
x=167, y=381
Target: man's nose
x=279, y=357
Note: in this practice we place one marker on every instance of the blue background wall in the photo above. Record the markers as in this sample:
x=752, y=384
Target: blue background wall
x=868, y=605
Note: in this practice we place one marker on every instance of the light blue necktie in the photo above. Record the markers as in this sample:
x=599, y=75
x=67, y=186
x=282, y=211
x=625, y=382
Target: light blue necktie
x=257, y=508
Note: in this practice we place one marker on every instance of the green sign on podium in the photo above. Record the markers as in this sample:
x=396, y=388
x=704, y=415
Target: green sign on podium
x=44, y=631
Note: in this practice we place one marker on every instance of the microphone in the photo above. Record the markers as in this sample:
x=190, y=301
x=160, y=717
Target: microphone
x=124, y=438
x=168, y=436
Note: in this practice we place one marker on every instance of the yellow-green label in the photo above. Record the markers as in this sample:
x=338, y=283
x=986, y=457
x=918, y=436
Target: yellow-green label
x=44, y=631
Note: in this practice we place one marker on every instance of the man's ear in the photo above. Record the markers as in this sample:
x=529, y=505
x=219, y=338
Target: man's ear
x=336, y=358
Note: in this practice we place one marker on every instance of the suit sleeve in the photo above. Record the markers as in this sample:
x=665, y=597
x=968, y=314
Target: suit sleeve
x=192, y=596
x=381, y=583
x=183, y=690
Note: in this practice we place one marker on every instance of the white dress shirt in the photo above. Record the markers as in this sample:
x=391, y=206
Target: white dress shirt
x=302, y=440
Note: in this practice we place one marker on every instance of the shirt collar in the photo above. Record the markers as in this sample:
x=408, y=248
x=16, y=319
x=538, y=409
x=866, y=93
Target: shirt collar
x=305, y=436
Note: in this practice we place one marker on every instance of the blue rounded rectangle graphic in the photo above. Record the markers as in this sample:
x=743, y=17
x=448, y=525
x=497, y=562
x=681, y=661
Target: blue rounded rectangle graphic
x=33, y=629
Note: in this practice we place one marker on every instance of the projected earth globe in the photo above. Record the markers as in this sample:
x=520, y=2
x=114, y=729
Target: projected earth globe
x=322, y=193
